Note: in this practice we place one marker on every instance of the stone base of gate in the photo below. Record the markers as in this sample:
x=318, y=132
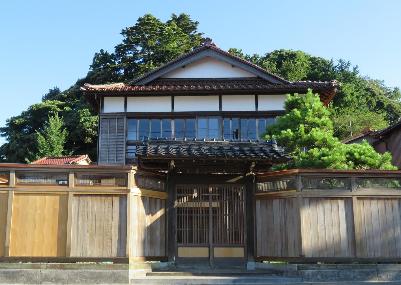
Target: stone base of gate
x=142, y=268
x=63, y=273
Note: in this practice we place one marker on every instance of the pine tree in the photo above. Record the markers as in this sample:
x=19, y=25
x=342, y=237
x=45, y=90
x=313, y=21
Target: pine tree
x=307, y=133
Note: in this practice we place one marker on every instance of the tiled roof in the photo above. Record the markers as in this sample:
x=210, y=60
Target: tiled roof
x=374, y=134
x=224, y=150
x=227, y=86
x=62, y=160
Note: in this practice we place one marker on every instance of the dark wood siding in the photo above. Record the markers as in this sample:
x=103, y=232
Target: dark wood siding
x=112, y=140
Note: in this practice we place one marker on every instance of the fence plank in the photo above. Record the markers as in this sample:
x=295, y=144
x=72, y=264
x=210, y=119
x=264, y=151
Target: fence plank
x=39, y=223
x=3, y=220
x=94, y=222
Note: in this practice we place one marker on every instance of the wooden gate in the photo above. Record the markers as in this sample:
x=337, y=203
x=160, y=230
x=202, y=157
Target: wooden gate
x=211, y=221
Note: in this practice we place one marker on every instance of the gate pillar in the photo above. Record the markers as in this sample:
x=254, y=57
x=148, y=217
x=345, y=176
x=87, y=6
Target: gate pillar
x=250, y=220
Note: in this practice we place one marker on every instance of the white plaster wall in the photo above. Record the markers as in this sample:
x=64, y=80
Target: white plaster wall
x=271, y=102
x=149, y=104
x=196, y=103
x=113, y=104
x=238, y=102
x=208, y=68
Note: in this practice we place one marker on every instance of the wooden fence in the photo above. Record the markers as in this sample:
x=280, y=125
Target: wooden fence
x=81, y=213
x=94, y=212
x=328, y=215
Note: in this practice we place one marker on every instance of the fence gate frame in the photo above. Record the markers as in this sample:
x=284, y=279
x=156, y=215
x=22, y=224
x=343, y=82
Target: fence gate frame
x=225, y=253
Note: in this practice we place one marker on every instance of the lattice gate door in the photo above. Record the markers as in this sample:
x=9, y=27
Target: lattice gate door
x=211, y=221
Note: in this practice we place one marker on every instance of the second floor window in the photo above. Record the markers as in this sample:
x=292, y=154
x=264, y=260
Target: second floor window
x=140, y=129
x=201, y=128
x=208, y=128
x=185, y=128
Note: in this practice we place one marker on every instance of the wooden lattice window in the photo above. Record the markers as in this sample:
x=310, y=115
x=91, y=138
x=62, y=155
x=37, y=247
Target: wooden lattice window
x=103, y=179
x=42, y=178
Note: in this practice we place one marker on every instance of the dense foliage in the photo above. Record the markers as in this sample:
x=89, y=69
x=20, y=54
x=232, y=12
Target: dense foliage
x=146, y=45
x=361, y=103
x=52, y=139
x=307, y=133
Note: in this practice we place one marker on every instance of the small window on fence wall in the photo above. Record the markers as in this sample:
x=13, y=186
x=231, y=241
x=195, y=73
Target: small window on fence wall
x=42, y=178
x=4, y=178
x=151, y=183
x=114, y=180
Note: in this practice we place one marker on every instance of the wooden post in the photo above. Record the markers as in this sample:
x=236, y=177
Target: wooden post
x=71, y=180
x=69, y=224
x=129, y=235
x=357, y=228
x=12, y=181
x=250, y=205
x=298, y=209
x=131, y=179
x=9, y=222
x=171, y=218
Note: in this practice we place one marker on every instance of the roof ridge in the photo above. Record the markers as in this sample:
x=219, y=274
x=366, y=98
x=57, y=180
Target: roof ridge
x=200, y=48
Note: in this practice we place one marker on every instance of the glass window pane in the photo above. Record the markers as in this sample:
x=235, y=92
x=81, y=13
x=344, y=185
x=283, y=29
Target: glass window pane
x=179, y=126
x=227, y=129
x=155, y=129
x=244, y=129
x=202, y=128
x=235, y=127
x=166, y=128
x=251, y=129
x=214, y=129
x=190, y=130
x=132, y=131
x=261, y=127
x=143, y=129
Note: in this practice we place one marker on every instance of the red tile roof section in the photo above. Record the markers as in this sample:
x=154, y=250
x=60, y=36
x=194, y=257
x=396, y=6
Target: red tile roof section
x=327, y=88
x=63, y=160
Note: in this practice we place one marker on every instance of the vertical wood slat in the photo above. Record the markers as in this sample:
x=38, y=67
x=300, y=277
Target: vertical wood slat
x=4, y=201
x=147, y=227
x=379, y=228
x=112, y=140
x=98, y=226
x=276, y=230
x=324, y=223
x=41, y=217
x=69, y=224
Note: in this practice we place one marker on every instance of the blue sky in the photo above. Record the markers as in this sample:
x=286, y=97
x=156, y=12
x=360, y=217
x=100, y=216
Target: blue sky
x=51, y=43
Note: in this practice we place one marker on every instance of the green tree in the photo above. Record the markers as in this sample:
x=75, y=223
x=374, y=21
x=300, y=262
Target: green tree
x=147, y=44
x=350, y=121
x=151, y=43
x=307, y=132
x=52, y=139
x=357, y=94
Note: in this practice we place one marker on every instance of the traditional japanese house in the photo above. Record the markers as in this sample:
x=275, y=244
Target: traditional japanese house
x=193, y=128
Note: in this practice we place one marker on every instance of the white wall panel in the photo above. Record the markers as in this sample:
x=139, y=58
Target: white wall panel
x=113, y=104
x=149, y=104
x=208, y=68
x=271, y=102
x=238, y=102
x=196, y=103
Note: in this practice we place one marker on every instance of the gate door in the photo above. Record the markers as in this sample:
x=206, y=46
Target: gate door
x=211, y=221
